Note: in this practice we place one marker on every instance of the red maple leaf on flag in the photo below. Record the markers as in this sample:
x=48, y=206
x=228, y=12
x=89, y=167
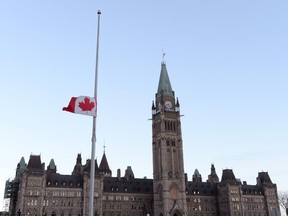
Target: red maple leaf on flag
x=87, y=105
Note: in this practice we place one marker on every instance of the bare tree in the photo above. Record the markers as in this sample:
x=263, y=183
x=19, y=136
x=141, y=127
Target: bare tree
x=283, y=201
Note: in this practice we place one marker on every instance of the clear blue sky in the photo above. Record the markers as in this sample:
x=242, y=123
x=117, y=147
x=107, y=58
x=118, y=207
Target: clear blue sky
x=227, y=62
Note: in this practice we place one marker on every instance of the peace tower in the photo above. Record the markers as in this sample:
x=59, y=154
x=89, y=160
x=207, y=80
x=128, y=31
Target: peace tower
x=168, y=166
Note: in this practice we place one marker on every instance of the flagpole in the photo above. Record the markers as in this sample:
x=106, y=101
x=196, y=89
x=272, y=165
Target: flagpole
x=92, y=169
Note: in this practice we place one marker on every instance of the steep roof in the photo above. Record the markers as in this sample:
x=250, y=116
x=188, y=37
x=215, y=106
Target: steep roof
x=164, y=86
x=78, y=166
x=129, y=173
x=34, y=164
x=51, y=167
x=196, y=173
x=52, y=164
x=104, y=166
x=228, y=177
x=124, y=185
x=201, y=188
x=87, y=167
x=21, y=167
x=197, y=176
x=251, y=190
x=264, y=178
x=63, y=181
x=22, y=164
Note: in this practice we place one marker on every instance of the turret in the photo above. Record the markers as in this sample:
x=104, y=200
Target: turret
x=104, y=166
x=197, y=176
x=51, y=168
x=87, y=167
x=78, y=166
x=264, y=179
x=153, y=108
x=34, y=164
x=21, y=167
x=228, y=177
x=213, y=177
x=129, y=173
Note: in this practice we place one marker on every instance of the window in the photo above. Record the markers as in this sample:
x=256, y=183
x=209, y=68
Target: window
x=173, y=143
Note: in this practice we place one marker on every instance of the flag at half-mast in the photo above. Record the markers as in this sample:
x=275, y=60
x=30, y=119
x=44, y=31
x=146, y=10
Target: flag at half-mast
x=82, y=105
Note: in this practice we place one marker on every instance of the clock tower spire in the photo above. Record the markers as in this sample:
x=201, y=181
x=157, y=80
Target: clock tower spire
x=168, y=166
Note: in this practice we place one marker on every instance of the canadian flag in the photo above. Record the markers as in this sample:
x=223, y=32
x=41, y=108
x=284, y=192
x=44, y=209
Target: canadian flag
x=82, y=105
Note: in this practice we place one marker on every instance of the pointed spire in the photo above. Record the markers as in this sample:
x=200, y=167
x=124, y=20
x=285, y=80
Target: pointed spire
x=164, y=86
x=52, y=164
x=177, y=103
x=153, y=108
x=51, y=168
x=78, y=166
x=196, y=173
x=153, y=105
x=21, y=167
x=22, y=163
x=197, y=176
x=79, y=159
x=104, y=166
x=129, y=173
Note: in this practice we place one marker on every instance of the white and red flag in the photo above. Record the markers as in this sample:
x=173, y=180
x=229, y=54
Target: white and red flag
x=82, y=105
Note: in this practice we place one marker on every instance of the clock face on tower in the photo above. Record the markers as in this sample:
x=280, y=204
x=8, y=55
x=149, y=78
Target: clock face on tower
x=168, y=104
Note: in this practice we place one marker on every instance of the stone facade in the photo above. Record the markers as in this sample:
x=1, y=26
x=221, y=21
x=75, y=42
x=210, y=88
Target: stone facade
x=39, y=191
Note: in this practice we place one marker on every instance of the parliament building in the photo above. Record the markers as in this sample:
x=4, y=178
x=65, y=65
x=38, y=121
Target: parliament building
x=39, y=190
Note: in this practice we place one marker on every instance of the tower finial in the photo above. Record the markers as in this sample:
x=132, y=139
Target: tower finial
x=104, y=146
x=163, y=55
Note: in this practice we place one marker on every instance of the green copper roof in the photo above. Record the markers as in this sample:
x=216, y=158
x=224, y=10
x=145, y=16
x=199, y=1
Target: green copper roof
x=164, y=85
x=22, y=163
x=196, y=173
x=52, y=164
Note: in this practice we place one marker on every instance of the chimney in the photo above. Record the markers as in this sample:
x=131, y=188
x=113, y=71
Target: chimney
x=186, y=178
x=118, y=173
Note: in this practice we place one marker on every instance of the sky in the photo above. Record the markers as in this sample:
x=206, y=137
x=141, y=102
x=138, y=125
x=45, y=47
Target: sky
x=227, y=62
